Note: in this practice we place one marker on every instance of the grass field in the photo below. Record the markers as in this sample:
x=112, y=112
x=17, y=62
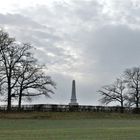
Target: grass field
x=115, y=127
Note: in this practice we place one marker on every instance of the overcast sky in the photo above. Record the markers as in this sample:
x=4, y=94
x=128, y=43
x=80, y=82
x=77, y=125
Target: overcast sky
x=91, y=41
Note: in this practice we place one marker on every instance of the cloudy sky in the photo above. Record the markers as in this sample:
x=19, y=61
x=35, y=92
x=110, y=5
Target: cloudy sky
x=91, y=41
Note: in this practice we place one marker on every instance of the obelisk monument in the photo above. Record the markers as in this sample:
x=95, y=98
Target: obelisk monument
x=73, y=100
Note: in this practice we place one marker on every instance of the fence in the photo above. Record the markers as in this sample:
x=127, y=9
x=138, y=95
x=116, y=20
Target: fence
x=69, y=108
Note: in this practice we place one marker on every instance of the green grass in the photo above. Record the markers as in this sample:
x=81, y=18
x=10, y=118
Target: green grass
x=69, y=126
x=92, y=129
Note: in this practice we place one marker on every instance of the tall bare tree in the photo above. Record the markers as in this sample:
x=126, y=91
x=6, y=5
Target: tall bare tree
x=32, y=81
x=132, y=78
x=115, y=92
x=7, y=62
x=11, y=57
x=19, y=73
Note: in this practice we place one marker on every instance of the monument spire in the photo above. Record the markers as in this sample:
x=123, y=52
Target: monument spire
x=73, y=94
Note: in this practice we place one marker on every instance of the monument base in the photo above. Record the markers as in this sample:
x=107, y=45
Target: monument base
x=74, y=104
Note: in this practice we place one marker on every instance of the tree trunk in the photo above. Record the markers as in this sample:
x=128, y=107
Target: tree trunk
x=137, y=98
x=122, y=108
x=19, y=103
x=9, y=90
x=9, y=99
x=137, y=102
x=20, y=99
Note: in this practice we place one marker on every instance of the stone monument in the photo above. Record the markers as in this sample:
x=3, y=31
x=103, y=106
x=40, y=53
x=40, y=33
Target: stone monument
x=73, y=100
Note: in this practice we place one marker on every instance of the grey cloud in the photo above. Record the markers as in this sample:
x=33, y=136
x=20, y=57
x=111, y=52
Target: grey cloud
x=119, y=43
x=18, y=20
x=36, y=35
x=87, y=10
x=115, y=48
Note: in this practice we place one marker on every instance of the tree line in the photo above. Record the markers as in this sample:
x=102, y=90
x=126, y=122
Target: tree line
x=125, y=90
x=21, y=76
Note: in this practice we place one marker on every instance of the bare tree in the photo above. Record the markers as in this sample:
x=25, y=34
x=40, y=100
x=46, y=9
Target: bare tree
x=114, y=93
x=32, y=81
x=11, y=57
x=7, y=62
x=132, y=78
x=5, y=41
x=19, y=72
